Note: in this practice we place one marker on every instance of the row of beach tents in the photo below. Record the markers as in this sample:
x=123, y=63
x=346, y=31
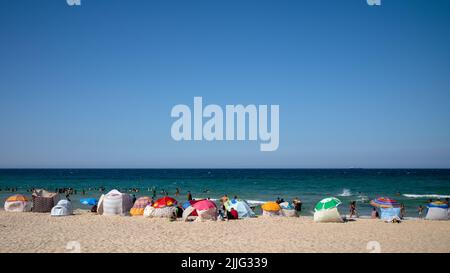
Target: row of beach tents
x=117, y=203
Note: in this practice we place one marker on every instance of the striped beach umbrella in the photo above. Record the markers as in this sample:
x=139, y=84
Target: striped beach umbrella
x=327, y=203
x=384, y=202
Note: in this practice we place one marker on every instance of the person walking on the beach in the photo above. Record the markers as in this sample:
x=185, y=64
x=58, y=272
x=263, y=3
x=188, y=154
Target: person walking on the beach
x=134, y=198
x=189, y=196
x=353, y=210
x=233, y=215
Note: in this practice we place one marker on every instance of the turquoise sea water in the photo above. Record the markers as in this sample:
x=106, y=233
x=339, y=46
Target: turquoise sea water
x=409, y=186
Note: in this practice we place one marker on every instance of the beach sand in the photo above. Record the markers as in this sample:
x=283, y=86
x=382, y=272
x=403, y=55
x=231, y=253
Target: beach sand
x=34, y=232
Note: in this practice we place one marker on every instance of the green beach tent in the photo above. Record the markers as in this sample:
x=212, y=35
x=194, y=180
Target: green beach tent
x=326, y=211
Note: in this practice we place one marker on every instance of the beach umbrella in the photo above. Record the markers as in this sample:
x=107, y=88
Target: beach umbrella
x=165, y=201
x=271, y=207
x=384, y=202
x=88, y=201
x=327, y=203
x=204, y=205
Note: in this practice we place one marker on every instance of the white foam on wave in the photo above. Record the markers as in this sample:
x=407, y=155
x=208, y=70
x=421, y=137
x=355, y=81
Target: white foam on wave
x=256, y=202
x=345, y=192
x=253, y=202
x=426, y=196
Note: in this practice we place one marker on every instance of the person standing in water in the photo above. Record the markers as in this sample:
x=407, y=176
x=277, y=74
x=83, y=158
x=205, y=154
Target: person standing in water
x=420, y=211
x=189, y=196
x=353, y=210
x=402, y=211
x=177, y=193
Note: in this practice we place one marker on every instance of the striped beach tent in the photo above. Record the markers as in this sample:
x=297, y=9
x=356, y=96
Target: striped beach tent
x=115, y=203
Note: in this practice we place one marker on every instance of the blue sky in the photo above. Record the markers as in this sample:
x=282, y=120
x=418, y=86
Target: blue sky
x=93, y=86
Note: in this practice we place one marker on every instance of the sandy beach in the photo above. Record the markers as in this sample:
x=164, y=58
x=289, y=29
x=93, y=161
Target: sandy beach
x=34, y=232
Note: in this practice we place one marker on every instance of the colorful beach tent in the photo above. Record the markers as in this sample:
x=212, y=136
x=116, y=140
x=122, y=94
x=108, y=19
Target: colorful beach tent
x=114, y=203
x=63, y=208
x=326, y=211
x=241, y=206
x=165, y=201
x=271, y=209
x=44, y=201
x=389, y=213
x=437, y=211
x=189, y=203
x=88, y=201
x=139, y=206
x=204, y=209
x=17, y=203
x=384, y=202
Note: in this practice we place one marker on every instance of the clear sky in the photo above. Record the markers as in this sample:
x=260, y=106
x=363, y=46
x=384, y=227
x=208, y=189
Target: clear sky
x=93, y=86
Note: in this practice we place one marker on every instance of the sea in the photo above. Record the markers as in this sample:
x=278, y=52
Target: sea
x=412, y=187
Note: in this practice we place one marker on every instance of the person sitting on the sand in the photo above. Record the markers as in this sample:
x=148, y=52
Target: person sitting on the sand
x=297, y=204
x=374, y=214
x=94, y=209
x=233, y=215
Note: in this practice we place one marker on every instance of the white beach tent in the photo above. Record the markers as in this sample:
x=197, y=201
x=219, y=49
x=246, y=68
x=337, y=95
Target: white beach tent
x=115, y=203
x=63, y=208
x=437, y=211
x=327, y=216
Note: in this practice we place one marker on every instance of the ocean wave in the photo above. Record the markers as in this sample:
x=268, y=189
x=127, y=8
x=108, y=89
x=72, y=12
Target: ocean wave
x=345, y=192
x=426, y=196
x=256, y=202
x=251, y=202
